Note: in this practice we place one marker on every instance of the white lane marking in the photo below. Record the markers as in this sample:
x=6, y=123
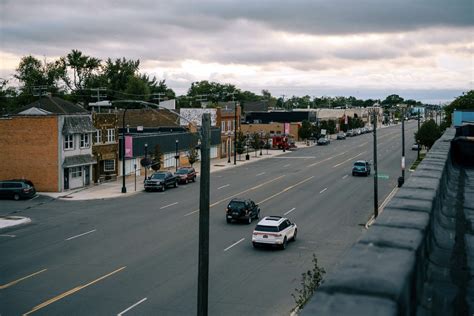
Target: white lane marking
x=329, y=158
x=294, y=157
x=289, y=211
x=323, y=190
x=224, y=186
x=287, y=165
x=235, y=243
x=35, y=197
x=81, y=234
x=345, y=176
x=134, y=305
x=190, y=213
x=11, y=236
x=388, y=198
x=363, y=144
x=168, y=205
x=348, y=160
x=261, y=173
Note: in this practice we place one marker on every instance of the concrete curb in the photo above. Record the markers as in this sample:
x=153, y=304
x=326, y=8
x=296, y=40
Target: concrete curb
x=9, y=223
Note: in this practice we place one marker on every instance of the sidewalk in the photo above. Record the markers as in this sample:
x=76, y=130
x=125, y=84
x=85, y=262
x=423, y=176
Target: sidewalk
x=8, y=222
x=114, y=189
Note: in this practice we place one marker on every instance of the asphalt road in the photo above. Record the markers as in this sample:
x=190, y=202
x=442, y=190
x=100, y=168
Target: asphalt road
x=138, y=255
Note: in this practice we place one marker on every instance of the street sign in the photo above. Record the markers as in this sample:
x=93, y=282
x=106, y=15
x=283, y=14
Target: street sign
x=323, y=131
x=383, y=176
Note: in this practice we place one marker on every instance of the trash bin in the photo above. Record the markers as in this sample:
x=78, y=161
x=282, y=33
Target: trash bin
x=401, y=180
x=247, y=157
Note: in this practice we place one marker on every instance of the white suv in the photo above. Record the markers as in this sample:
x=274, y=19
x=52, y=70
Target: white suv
x=274, y=230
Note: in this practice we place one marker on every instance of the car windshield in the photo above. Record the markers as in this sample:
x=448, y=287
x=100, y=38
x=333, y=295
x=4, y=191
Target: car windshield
x=236, y=204
x=264, y=228
x=359, y=164
x=159, y=176
x=182, y=171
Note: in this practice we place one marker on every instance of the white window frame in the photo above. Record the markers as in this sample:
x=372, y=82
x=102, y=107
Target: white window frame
x=107, y=165
x=69, y=142
x=76, y=172
x=85, y=140
x=98, y=136
x=110, y=135
x=222, y=126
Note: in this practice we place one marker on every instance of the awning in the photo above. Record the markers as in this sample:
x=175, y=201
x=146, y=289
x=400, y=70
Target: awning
x=78, y=125
x=79, y=160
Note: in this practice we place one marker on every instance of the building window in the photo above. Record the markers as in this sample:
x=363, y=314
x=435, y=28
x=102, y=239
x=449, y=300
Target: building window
x=98, y=136
x=85, y=142
x=109, y=165
x=110, y=135
x=69, y=142
x=222, y=126
x=76, y=172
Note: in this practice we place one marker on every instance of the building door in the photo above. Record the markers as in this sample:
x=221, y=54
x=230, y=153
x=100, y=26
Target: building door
x=66, y=178
x=87, y=175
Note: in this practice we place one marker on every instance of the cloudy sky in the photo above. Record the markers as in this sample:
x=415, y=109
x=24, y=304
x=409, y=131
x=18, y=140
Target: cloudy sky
x=420, y=49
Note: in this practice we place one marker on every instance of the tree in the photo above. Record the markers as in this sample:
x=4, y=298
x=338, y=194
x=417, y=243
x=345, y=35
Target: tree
x=31, y=73
x=192, y=155
x=428, y=134
x=156, y=164
x=463, y=102
x=255, y=142
x=240, y=143
x=83, y=68
x=305, y=130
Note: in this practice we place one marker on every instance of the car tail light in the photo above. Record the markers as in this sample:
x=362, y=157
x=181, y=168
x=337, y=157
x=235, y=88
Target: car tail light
x=255, y=233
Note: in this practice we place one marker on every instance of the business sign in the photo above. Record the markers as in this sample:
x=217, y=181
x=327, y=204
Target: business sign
x=195, y=116
x=286, y=128
x=128, y=147
x=168, y=104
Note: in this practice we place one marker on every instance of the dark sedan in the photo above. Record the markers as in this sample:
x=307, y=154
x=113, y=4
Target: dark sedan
x=17, y=189
x=323, y=141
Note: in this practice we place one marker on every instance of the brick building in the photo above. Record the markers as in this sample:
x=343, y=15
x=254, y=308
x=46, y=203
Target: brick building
x=226, y=120
x=48, y=142
x=105, y=146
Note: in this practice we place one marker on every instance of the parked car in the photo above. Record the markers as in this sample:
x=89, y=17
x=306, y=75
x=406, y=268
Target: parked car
x=350, y=133
x=160, y=181
x=17, y=189
x=415, y=146
x=240, y=209
x=361, y=167
x=274, y=231
x=358, y=131
x=341, y=135
x=186, y=174
x=324, y=141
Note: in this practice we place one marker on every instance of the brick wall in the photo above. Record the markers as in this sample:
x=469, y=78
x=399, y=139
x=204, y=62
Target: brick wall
x=29, y=149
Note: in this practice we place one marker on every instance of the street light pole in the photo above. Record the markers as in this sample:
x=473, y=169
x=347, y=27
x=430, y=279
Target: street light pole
x=401, y=180
x=228, y=147
x=146, y=154
x=124, y=188
x=418, y=143
x=376, y=191
x=235, y=132
x=176, y=156
x=260, y=142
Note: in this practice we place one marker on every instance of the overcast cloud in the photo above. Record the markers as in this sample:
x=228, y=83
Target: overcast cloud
x=336, y=47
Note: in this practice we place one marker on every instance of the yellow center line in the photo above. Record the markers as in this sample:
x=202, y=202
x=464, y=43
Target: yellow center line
x=19, y=280
x=71, y=291
x=236, y=194
x=329, y=158
x=284, y=190
x=348, y=160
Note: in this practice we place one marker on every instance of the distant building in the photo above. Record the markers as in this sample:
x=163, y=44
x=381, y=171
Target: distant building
x=463, y=117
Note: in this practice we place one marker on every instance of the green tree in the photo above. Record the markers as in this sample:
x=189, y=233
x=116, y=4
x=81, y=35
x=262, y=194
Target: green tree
x=428, y=134
x=137, y=88
x=83, y=68
x=156, y=163
x=192, y=155
x=463, y=102
x=255, y=142
x=240, y=143
x=305, y=130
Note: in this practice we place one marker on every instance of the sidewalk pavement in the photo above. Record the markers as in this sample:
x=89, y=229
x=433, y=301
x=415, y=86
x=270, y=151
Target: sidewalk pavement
x=8, y=222
x=113, y=189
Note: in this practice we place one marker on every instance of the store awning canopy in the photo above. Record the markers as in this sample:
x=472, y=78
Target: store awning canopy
x=79, y=160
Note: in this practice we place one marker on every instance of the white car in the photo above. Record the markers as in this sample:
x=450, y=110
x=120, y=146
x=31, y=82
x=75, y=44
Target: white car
x=274, y=230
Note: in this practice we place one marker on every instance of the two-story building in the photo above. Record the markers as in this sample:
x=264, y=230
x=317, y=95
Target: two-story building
x=105, y=146
x=48, y=142
x=228, y=119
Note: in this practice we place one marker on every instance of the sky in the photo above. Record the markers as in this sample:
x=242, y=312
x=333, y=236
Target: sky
x=419, y=49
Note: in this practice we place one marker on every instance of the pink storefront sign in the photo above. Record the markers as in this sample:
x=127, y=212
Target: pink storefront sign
x=128, y=146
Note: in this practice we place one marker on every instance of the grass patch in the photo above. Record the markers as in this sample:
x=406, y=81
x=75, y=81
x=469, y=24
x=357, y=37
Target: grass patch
x=418, y=161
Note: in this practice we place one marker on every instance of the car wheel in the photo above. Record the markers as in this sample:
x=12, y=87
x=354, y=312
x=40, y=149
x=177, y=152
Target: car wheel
x=249, y=220
x=228, y=220
x=186, y=181
x=353, y=174
x=176, y=184
x=163, y=188
x=283, y=246
x=16, y=196
x=255, y=245
x=258, y=215
x=294, y=235
x=194, y=179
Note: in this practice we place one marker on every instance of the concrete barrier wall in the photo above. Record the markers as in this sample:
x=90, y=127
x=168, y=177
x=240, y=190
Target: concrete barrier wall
x=415, y=258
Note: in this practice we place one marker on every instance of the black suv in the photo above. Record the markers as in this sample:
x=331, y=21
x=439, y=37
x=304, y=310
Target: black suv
x=17, y=189
x=160, y=181
x=240, y=209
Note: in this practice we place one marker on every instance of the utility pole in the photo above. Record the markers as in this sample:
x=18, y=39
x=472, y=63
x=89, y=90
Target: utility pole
x=98, y=95
x=203, y=265
x=158, y=96
x=401, y=180
x=283, y=101
x=124, y=188
x=201, y=98
x=376, y=192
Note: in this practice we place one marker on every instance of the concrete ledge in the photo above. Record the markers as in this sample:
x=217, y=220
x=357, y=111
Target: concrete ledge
x=9, y=223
